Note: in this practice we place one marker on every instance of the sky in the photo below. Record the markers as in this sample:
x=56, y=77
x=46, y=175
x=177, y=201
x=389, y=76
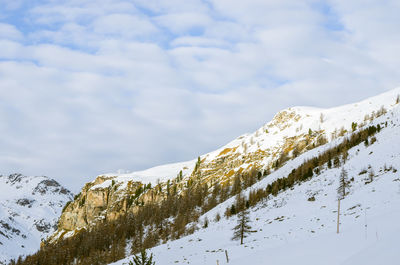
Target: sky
x=96, y=86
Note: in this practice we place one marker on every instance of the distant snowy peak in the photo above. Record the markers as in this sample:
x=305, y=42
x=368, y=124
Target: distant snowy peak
x=29, y=209
x=39, y=185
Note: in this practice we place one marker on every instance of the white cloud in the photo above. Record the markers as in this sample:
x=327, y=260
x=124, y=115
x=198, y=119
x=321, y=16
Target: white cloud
x=268, y=13
x=93, y=86
x=67, y=34
x=124, y=26
x=9, y=49
x=373, y=28
x=11, y=5
x=173, y=6
x=9, y=32
x=198, y=41
x=78, y=11
x=179, y=23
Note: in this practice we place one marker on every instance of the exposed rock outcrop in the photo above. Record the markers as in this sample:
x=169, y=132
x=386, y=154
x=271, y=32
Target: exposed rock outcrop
x=109, y=197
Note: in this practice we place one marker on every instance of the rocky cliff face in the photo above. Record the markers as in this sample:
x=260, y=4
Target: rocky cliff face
x=101, y=201
x=110, y=196
x=289, y=133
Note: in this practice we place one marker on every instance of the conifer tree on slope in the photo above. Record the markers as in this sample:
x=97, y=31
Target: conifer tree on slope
x=142, y=259
x=343, y=184
x=242, y=229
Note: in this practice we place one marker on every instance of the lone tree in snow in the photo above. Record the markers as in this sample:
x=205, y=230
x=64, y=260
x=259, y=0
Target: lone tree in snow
x=142, y=259
x=242, y=229
x=343, y=184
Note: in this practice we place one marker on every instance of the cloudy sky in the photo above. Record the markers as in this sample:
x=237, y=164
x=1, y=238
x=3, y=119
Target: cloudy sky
x=93, y=86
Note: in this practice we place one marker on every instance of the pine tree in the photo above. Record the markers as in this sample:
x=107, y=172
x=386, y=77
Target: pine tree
x=343, y=183
x=345, y=155
x=142, y=259
x=205, y=225
x=329, y=163
x=242, y=229
x=237, y=185
x=233, y=209
x=336, y=161
x=354, y=126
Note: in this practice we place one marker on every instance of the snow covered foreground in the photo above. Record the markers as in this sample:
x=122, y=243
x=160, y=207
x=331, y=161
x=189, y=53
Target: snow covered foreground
x=292, y=230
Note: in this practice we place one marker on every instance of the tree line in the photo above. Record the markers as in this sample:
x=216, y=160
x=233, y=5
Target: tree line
x=332, y=157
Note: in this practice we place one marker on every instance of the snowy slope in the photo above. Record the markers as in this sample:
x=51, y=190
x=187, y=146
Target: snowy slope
x=296, y=121
x=152, y=175
x=271, y=137
x=292, y=230
x=29, y=209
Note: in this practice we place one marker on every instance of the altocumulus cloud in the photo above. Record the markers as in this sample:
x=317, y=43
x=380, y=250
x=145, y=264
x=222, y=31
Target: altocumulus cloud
x=88, y=87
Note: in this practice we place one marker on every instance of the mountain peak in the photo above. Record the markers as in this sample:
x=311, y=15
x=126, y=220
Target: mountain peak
x=29, y=210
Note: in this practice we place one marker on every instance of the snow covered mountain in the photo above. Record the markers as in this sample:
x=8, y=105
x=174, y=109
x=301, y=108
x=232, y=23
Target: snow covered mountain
x=292, y=132
x=298, y=225
x=288, y=126
x=290, y=171
x=29, y=210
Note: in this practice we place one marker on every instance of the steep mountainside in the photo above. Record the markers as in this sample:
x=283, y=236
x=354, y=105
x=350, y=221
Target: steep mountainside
x=29, y=209
x=298, y=225
x=291, y=132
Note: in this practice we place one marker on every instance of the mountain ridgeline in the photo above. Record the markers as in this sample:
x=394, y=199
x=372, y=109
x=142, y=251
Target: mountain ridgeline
x=119, y=214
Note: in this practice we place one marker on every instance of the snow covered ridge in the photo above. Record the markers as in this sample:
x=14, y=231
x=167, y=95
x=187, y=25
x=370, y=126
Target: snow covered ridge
x=291, y=132
x=29, y=210
x=292, y=228
x=270, y=138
